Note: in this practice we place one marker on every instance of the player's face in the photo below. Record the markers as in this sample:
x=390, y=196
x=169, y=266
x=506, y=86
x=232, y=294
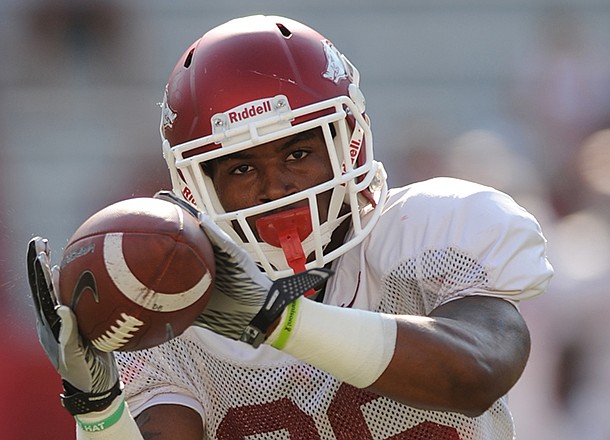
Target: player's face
x=273, y=170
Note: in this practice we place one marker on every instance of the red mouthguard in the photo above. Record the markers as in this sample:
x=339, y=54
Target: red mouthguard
x=287, y=229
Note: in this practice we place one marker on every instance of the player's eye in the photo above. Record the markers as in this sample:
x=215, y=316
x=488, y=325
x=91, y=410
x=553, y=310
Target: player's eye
x=240, y=169
x=298, y=155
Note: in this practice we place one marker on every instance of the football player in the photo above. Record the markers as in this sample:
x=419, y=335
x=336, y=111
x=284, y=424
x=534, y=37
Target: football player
x=416, y=334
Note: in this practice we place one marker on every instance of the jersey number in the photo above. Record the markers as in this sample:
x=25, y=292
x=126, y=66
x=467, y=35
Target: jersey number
x=344, y=414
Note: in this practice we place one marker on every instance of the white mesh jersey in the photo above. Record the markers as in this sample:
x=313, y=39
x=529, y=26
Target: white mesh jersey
x=436, y=241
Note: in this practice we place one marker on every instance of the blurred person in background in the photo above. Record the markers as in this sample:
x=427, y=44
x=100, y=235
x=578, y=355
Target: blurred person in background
x=562, y=96
x=565, y=390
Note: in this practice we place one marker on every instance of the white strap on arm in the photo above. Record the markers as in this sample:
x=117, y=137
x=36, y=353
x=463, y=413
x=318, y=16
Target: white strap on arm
x=114, y=422
x=353, y=345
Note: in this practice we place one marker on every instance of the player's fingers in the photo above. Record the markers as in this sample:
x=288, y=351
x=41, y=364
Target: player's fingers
x=220, y=240
x=217, y=236
x=169, y=196
x=32, y=253
x=68, y=335
x=44, y=279
x=32, y=256
x=44, y=298
x=55, y=279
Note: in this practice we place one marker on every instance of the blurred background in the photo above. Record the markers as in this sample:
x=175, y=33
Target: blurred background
x=510, y=93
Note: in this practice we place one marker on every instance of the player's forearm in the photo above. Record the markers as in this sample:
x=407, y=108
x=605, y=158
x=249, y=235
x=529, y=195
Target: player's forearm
x=434, y=363
x=439, y=365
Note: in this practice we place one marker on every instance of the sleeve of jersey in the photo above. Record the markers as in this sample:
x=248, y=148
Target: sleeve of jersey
x=489, y=244
x=511, y=247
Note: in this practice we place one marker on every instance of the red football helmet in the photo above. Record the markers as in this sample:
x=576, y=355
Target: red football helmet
x=256, y=79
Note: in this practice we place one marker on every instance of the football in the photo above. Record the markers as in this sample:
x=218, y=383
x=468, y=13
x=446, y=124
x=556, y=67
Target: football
x=136, y=274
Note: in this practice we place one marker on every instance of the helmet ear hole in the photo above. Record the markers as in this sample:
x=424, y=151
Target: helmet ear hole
x=284, y=30
x=189, y=59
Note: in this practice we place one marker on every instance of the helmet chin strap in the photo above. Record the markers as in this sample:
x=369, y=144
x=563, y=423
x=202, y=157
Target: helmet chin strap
x=288, y=229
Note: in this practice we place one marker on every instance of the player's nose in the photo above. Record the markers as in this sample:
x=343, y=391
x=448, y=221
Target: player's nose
x=275, y=182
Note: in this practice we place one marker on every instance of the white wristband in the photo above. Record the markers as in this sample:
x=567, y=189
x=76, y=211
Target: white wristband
x=114, y=422
x=353, y=345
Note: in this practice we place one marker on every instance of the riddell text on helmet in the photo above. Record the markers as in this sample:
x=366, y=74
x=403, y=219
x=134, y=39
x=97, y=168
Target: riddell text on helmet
x=249, y=112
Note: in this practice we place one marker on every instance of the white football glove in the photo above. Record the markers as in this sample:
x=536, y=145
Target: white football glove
x=90, y=377
x=245, y=301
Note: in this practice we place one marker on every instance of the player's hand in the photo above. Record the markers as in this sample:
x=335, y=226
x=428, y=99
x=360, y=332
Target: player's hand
x=245, y=301
x=87, y=373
